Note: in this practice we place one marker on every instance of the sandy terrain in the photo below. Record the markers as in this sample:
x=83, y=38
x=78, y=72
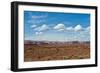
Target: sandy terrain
x=56, y=51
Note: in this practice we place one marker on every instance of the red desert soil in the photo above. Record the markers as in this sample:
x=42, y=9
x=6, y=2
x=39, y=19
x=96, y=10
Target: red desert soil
x=44, y=52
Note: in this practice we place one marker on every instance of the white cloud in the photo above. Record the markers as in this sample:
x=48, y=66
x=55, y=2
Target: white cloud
x=61, y=30
x=88, y=28
x=38, y=33
x=39, y=16
x=42, y=28
x=33, y=26
x=78, y=28
x=60, y=27
x=35, y=21
x=69, y=28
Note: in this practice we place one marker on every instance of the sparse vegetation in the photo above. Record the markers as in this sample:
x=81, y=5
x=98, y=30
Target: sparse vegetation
x=54, y=51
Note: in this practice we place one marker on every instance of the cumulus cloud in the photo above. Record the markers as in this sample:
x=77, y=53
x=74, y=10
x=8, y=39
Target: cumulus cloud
x=69, y=28
x=42, y=28
x=78, y=28
x=33, y=26
x=38, y=33
x=60, y=27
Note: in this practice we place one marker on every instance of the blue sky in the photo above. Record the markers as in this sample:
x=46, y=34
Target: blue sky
x=54, y=26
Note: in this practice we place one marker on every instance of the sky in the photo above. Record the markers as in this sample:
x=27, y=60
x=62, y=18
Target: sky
x=56, y=26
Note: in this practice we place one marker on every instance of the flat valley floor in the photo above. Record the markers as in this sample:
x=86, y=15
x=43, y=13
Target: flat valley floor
x=56, y=51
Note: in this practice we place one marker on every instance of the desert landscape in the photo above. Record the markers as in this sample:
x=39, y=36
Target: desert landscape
x=55, y=50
